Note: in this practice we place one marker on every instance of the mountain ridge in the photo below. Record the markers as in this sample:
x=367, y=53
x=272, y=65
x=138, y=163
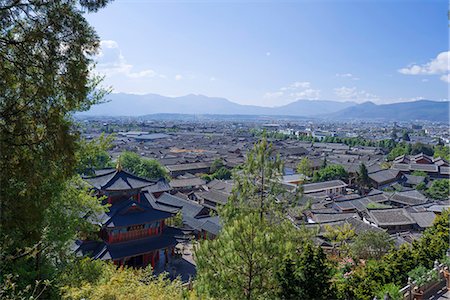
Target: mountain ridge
x=122, y=104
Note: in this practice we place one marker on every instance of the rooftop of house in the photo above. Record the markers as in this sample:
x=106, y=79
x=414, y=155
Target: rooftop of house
x=321, y=186
x=188, y=166
x=186, y=182
x=117, y=180
x=390, y=217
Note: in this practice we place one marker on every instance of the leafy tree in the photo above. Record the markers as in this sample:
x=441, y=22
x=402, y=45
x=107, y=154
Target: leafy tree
x=400, y=149
x=45, y=58
x=98, y=280
x=442, y=151
x=305, y=167
x=339, y=236
x=256, y=185
x=405, y=136
x=216, y=165
x=306, y=275
x=242, y=261
x=222, y=173
x=421, y=186
x=324, y=163
x=330, y=172
x=363, y=176
x=206, y=177
x=439, y=189
x=143, y=167
x=391, y=290
x=418, y=148
x=371, y=244
x=394, y=134
x=93, y=155
x=419, y=173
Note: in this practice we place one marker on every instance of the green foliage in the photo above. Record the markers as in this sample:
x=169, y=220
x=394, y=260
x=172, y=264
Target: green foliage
x=256, y=185
x=143, y=167
x=222, y=173
x=206, y=177
x=241, y=262
x=421, y=275
x=330, y=172
x=97, y=280
x=442, y=151
x=306, y=275
x=371, y=245
x=216, y=165
x=339, y=236
x=400, y=149
x=45, y=58
x=93, y=155
x=178, y=219
x=421, y=186
x=439, y=189
x=363, y=176
x=419, y=173
x=305, y=167
x=367, y=280
x=390, y=289
x=405, y=136
x=418, y=148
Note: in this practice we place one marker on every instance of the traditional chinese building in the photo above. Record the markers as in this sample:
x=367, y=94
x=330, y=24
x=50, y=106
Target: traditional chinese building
x=134, y=232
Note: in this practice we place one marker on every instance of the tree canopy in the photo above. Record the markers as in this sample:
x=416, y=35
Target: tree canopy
x=439, y=189
x=143, y=167
x=330, y=172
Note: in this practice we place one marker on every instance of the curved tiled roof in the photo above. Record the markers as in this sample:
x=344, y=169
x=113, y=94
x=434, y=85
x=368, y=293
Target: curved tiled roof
x=117, y=180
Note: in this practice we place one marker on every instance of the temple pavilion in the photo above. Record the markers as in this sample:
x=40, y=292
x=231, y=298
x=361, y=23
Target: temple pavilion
x=134, y=232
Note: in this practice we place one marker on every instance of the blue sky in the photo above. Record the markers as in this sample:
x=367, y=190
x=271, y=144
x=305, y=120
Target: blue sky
x=274, y=52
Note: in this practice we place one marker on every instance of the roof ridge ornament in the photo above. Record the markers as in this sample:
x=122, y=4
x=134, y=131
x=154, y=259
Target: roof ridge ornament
x=119, y=165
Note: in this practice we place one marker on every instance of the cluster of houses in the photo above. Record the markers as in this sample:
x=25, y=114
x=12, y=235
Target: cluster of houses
x=149, y=219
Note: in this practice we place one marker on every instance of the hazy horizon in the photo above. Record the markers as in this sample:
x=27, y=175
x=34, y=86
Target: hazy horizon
x=271, y=54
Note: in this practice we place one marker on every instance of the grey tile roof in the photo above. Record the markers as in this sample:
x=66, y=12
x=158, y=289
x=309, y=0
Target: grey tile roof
x=187, y=167
x=214, y=196
x=424, y=219
x=186, y=182
x=320, y=186
x=424, y=167
x=390, y=217
x=114, y=180
x=384, y=176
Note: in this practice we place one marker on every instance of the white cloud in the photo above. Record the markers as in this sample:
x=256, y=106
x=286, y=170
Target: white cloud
x=438, y=65
x=296, y=85
x=268, y=53
x=353, y=93
x=110, y=62
x=445, y=78
x=212, y=78
x=294, y=91
x=309, y=94
x=273, y=95
x=347, y=75
x=178, y=77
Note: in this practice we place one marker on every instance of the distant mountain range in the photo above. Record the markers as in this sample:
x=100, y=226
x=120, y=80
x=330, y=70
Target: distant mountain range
x=138, y=105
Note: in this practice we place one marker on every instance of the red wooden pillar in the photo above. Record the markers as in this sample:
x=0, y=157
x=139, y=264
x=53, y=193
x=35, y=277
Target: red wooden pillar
x=139, y=197
x=166, y=256
x=153, y=260
x=173, y=251
x=109, y=199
